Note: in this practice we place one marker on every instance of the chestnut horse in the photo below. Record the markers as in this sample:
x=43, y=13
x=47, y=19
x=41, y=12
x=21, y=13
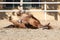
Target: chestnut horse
x=26, y=20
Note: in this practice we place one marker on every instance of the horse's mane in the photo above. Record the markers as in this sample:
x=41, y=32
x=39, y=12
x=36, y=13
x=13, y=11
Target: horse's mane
x=35, y=18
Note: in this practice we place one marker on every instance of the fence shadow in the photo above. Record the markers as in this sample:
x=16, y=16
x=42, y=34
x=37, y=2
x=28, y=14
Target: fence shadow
x=55, y=14
x=52, y=7
x=3, y=15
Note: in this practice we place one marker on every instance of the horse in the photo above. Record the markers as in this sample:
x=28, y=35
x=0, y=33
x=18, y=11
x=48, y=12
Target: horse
x=27, y=20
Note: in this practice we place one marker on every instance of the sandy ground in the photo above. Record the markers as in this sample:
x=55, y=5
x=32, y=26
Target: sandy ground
x=29, y=34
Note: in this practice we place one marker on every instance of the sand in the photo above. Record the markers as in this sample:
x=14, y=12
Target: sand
x=29, y=34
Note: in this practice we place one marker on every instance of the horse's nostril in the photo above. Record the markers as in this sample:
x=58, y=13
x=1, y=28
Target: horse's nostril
x=10, y=18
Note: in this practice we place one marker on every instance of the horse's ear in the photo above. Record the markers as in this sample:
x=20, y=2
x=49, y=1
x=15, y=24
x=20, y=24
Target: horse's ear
x=19, y=7
x=13, y=13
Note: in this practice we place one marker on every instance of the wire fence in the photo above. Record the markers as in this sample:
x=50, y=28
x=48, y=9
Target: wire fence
x=21, y=3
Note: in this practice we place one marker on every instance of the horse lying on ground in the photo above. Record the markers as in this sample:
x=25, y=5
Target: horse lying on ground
x=27, y=20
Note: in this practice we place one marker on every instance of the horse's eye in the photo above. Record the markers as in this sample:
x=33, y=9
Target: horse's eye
x=18, y=14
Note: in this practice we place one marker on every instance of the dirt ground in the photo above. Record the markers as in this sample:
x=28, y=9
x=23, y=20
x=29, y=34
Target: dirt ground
x=30, y=34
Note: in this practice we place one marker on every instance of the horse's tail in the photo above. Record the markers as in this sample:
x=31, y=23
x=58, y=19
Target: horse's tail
x=47, y=26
